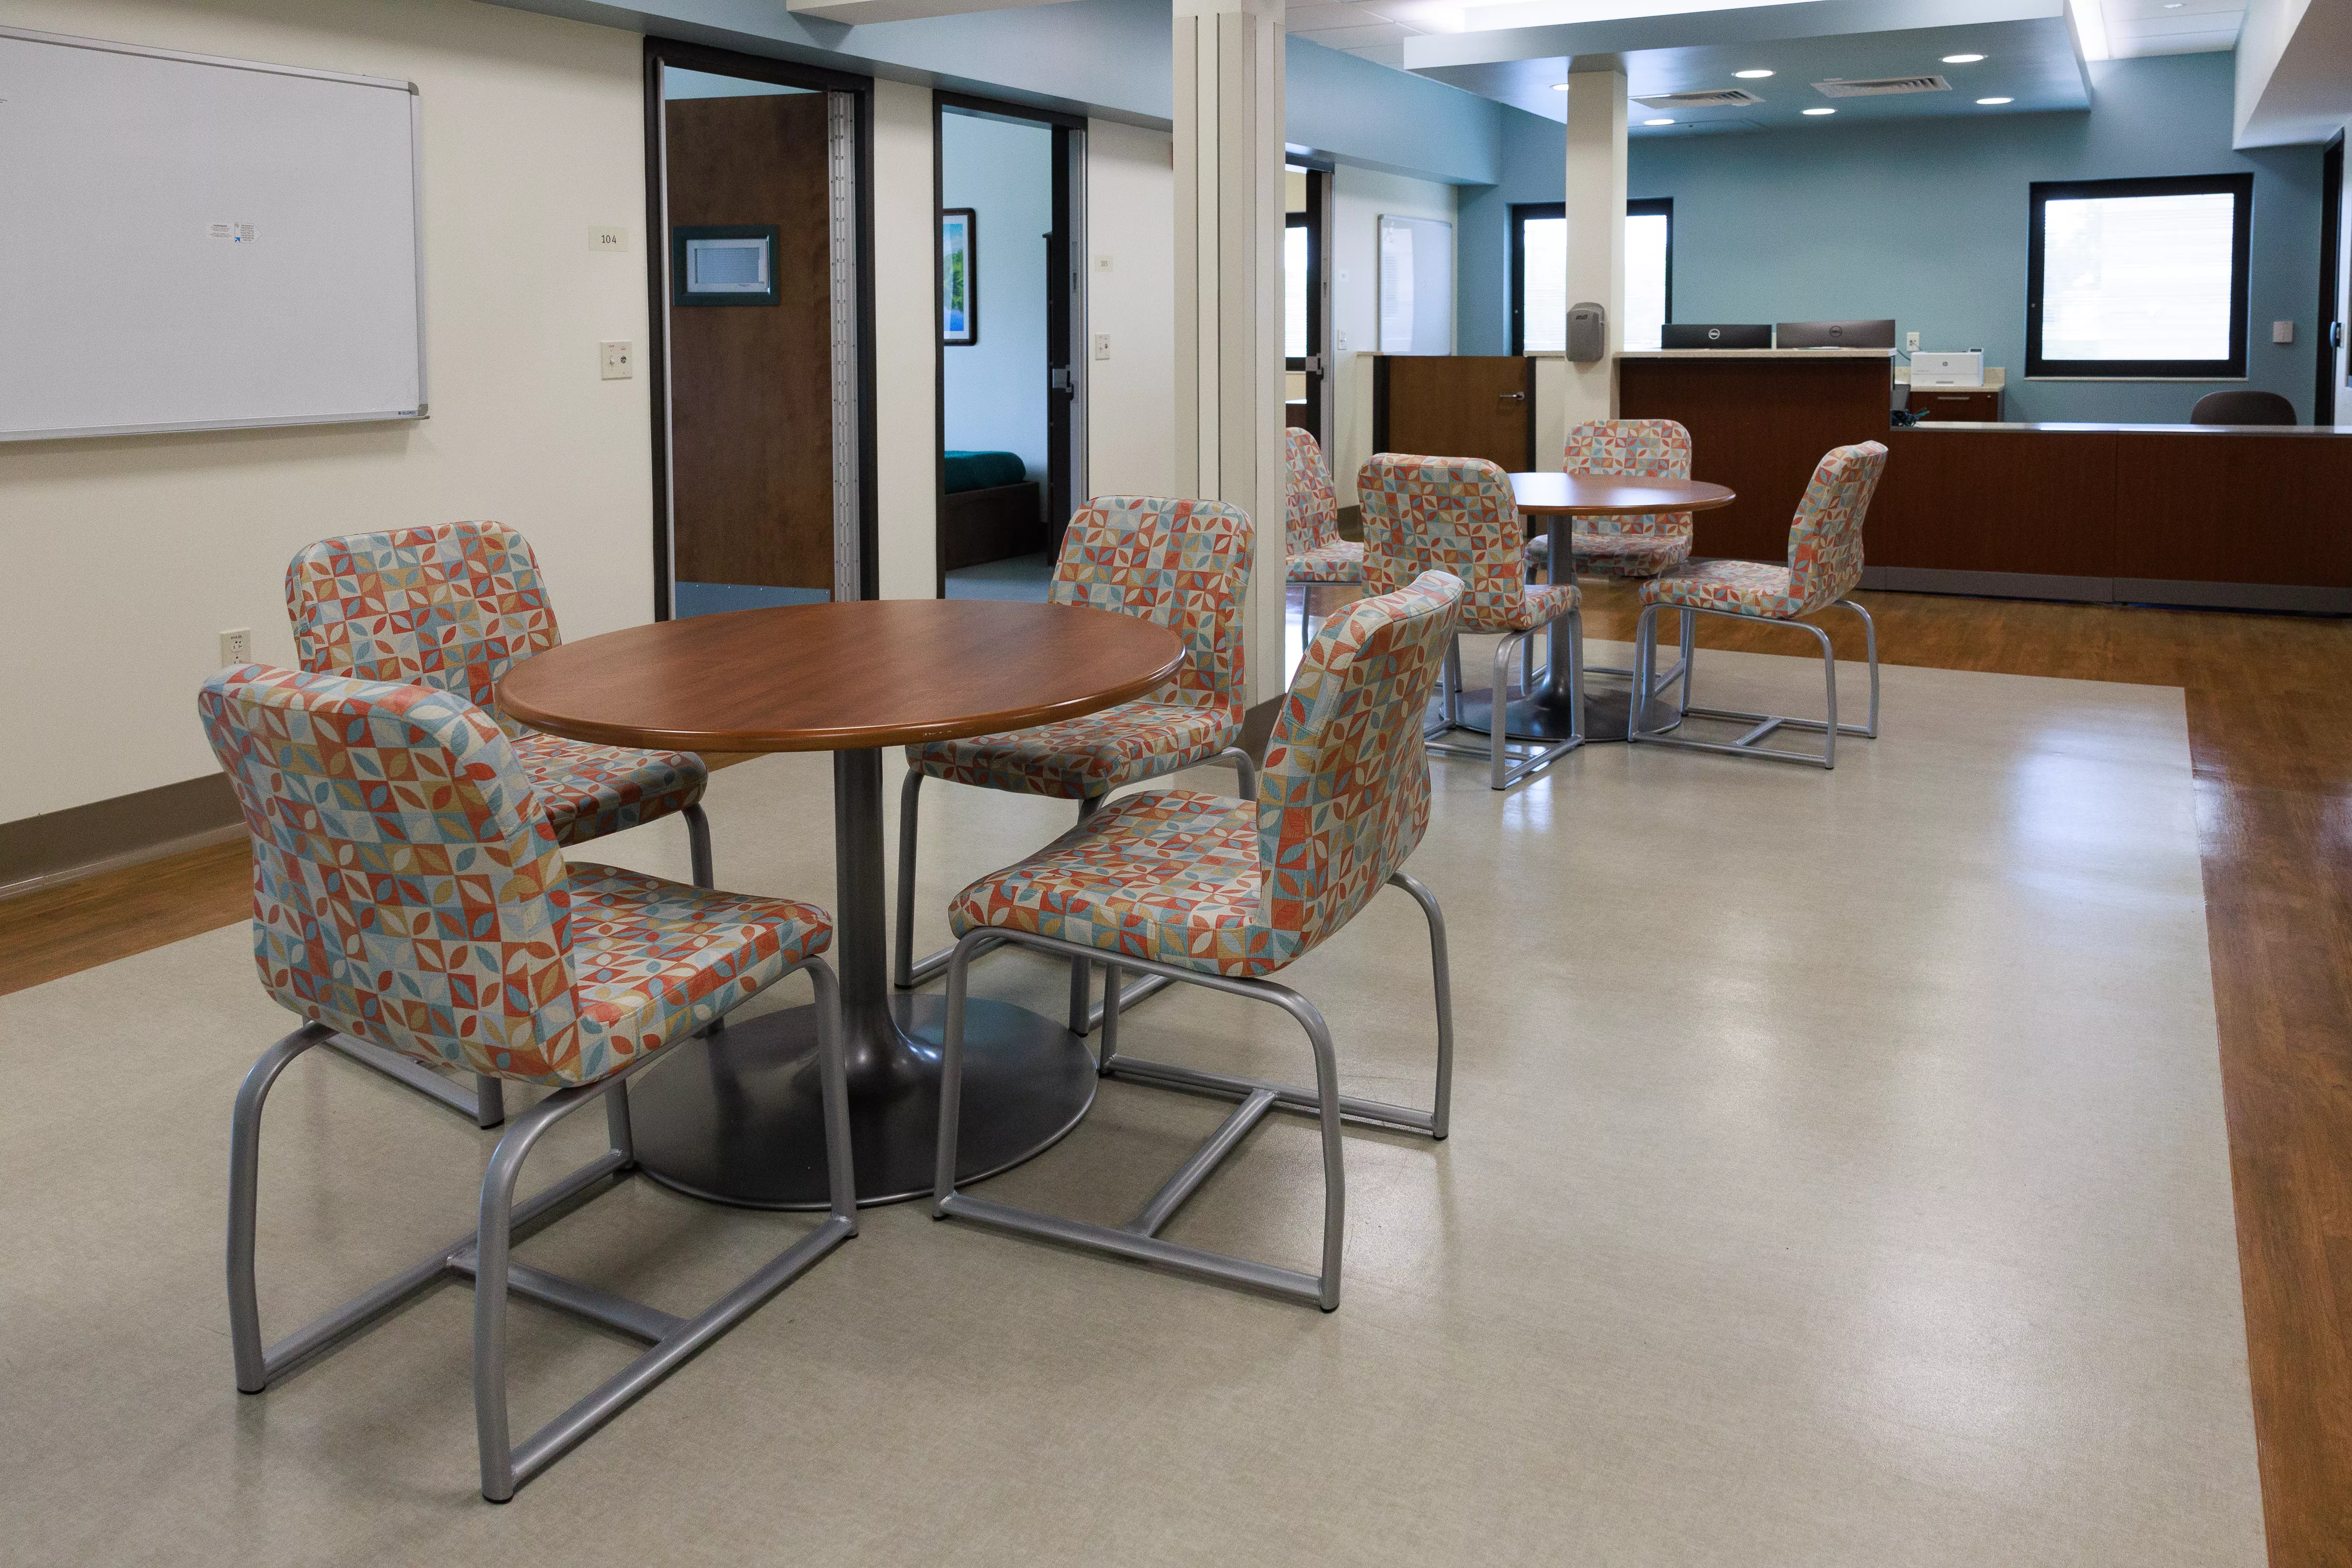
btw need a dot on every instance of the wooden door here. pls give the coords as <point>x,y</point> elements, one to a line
<point>751,387</point>
<point>1456,405</point>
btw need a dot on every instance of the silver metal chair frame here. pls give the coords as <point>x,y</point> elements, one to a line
<point>1645,654</point>
<point>907,972</point>
<point>1510,760</point>
<point>1138,1240</point>
<point>484,1254</point>
<point>487,1102</point>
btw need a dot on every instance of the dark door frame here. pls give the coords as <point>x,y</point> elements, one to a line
<point>659,52</point>
<point>1064,297</point>
<point>1317,364</point>
<point>2331,279</point>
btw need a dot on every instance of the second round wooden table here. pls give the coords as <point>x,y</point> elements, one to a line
<point>737,1118</point>
<point>1542,714</point>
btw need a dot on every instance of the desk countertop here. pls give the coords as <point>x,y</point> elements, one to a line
<point>1950,426</point>
<point>1757,354</point>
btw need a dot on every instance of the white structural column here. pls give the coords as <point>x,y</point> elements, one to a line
<point>1229,224</point>
<point>1596,230</point>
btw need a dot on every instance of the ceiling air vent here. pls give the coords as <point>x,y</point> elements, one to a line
<point>1882,87</point>
<point>1723,98</point>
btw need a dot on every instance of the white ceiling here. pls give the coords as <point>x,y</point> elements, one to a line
<point>1376,29</point>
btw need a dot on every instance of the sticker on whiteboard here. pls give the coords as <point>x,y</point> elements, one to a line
<point>224,231</point>
<point>235,233</point>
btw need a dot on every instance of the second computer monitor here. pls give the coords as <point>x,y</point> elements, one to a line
<point>1835,335</point>
<point>1715,335</point>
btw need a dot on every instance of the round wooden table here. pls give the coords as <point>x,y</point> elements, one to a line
<point>737,1118</point>
<point>1542,712</point>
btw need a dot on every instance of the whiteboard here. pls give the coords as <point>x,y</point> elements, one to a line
<point>1416,286</point>
<point>197,244</point>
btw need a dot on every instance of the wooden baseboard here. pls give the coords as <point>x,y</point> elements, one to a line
<point>60,846</point>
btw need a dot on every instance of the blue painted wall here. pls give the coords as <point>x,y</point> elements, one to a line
<point>1926,221</point>
<point>996,387</point>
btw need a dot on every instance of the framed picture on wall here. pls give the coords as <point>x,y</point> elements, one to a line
<point>959,276</point>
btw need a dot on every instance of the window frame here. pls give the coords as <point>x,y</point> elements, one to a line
<point>1520,212</point>
<point>2239,186</point>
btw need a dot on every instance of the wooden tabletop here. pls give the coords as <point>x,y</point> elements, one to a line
<point>840,677</point>
<point>1553,494</point>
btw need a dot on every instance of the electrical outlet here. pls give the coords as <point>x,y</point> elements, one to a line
<point>237,647</point>
<point>616,360</point>
<point>608,236</point>
<point>1910,343</point>
<point>1102,345</point>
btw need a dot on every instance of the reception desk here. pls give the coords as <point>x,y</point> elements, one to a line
<point>2241,517</point>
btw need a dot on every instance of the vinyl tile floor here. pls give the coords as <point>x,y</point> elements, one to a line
<point>1838,1177</point>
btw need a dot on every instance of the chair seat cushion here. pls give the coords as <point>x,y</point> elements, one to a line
<point>653,961</point>
<point>1342,562</point>
<point>1086,756</point>
<point>588,791</point>
<point>1534,605</point>
<point>1739,587</point>
<point>1172,875</point>
<point>1617,554</point>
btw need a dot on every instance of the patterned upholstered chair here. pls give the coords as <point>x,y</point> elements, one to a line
<point>1183,563</point>
<point>1226,893</point>
<point>453,606</point>
<point>1456,515</point>
<point>1312,548</point>
<point>408,889</point>
<point>1825,566</point>
<point>1640,546</point>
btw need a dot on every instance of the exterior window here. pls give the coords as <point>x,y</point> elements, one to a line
<point>2139,279</point>
<point>1293,288</point>
<point>1539,299</point>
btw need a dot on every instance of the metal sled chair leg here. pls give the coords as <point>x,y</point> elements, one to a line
<point>1750,744</point>
<point>908,971</point>
<point>1509,761</point>
<point>483,1258</point>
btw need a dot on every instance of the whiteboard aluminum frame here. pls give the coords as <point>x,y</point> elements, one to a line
<point>416,228</point>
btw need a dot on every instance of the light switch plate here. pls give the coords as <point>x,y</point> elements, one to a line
<point>608,236</point>
<point>1102,345</point>
<point>1102,263</point>
<point>616,360</point>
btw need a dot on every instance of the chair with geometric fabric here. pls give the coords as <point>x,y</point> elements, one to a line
<point>409,890</point>
<point>454,606</point>
<point>1225,893</point>
<point>1312,549</point>
<point>1638,547</point>
<point>1457,515</point>
<point>1825,566</point>
<point>1182,564</point>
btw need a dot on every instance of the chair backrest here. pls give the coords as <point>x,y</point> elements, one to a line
<point>1311,517</point>
<point>1825,540</point>
<point>450,607</point>
<point>1183,563</point>
<point>1344,795</point>
<point>2244,406</point>
<point>1638,449</point>
<point>406,887</point>
<point>1454,515</point>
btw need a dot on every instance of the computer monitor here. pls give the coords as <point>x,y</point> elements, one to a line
<point>1715,335</point>
<point>1835,335</point>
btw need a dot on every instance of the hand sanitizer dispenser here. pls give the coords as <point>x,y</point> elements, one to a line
<point>1587,331</point>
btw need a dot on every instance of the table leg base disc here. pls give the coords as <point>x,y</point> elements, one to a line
<point>737,1118</point>
<point>1543,717</point>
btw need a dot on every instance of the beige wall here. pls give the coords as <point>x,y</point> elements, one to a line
<point>1131,397</point>
<point>1359,198</point>
<point>906,344</point>
<point>126,557</point>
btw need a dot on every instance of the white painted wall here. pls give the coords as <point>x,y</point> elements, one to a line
<point>906,344</point>
<point>1131,395</point>
<point>127,557</point>
<point>1359,198</point>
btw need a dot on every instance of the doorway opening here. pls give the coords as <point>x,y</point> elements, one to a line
<point>1012,389</point>
<point>1307,301</point>
<point>757,224</point>
<point>2331,280</point>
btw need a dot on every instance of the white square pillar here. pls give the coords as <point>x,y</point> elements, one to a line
<point>1229,232</point>
<point>1596,233</point>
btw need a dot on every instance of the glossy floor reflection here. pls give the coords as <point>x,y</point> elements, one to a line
<point>1838,1176</point>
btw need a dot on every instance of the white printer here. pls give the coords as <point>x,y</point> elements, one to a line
<point>1948,369</point>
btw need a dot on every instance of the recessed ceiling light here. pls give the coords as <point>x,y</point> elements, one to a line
<point>1560,87</point>
<point>1820,112</point>
<point>1996,100</point>
<point>1962,60</point>
<point>1657,123</point>
<point>1751,76</point>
